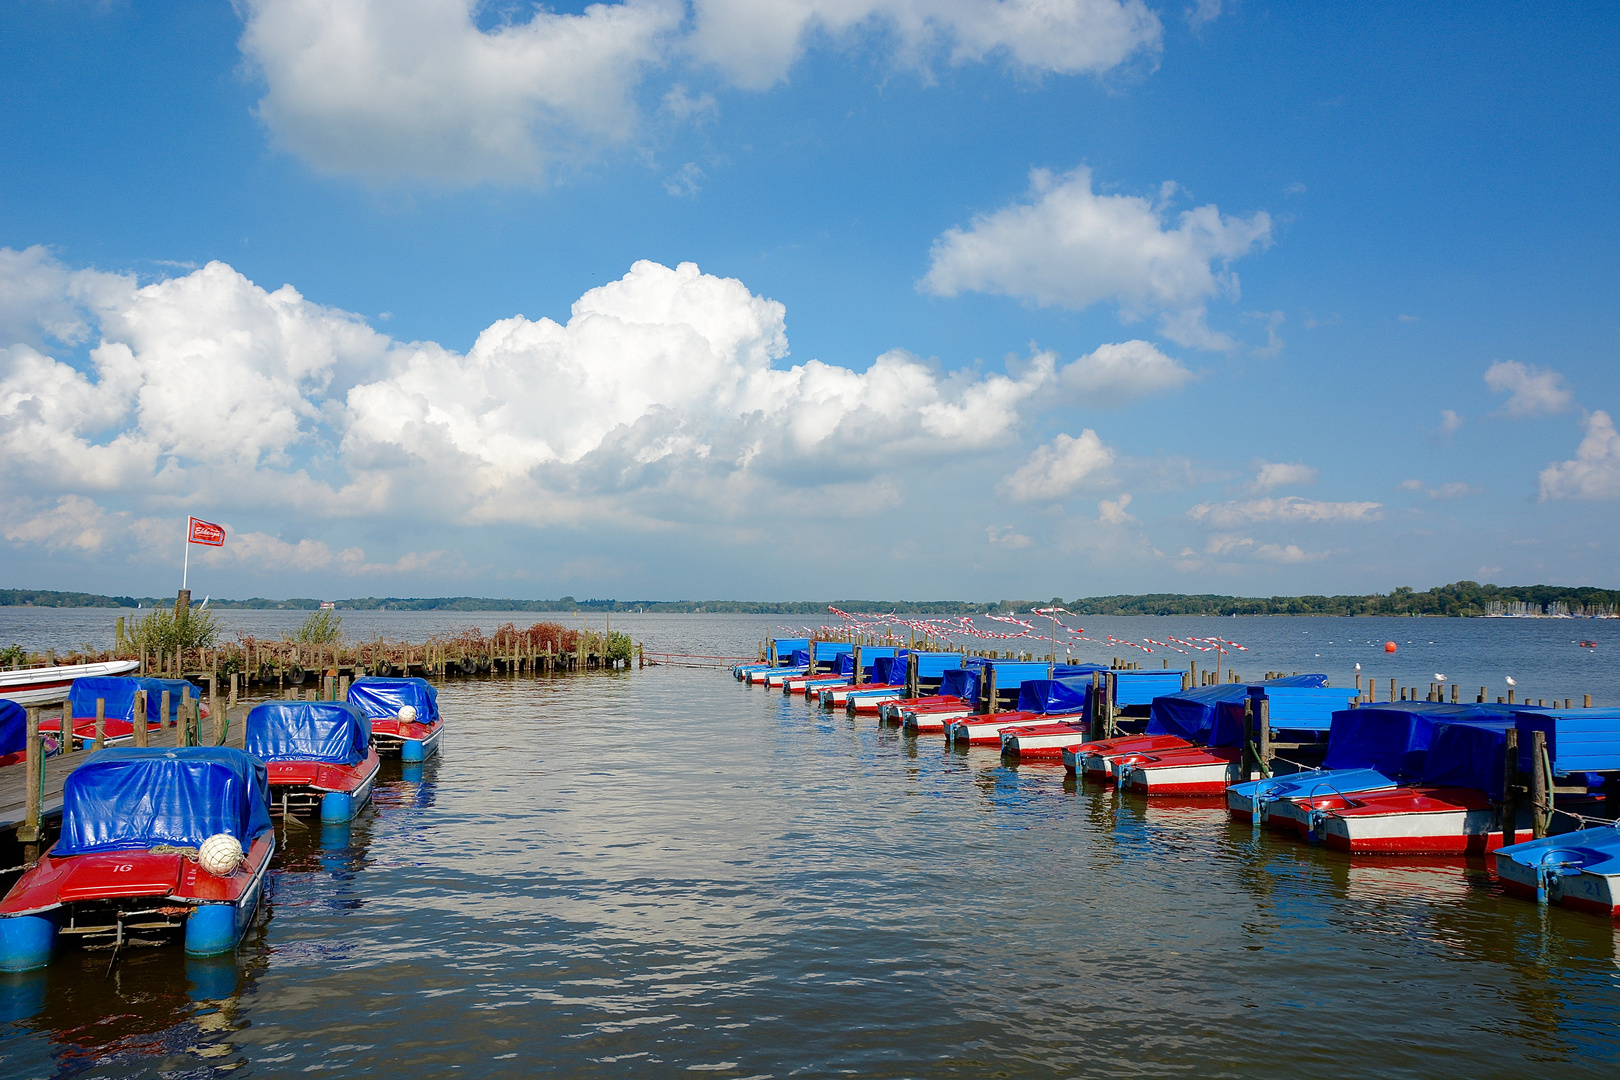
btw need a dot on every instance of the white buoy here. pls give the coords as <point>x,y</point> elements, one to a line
<point>407,713</point>
<point>220,855</point>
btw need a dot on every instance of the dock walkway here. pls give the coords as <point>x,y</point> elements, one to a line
<point>14,778</point>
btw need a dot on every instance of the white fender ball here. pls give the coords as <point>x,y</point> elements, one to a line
<point>220,855</point>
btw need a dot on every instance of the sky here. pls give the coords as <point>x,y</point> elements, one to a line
<point>789,299</point>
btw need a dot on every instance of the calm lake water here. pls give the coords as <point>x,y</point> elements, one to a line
<point>661,871</point>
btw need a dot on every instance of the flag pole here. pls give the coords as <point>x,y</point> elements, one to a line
<point>185,563</point>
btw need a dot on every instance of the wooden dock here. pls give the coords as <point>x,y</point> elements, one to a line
<point>14,778</point>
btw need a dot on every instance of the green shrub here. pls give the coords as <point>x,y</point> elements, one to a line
<point>163,631</point>
<point>324,627</point>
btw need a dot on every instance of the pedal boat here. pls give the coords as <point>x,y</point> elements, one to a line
<point>984,729</point>
<point>156,844</point>
<point>117,695</point>
<point>318,756</point>
<point>871,697</point>
<point>893,712</point>
<point>1095,760</point>
<point>1579,870</point>
<point>933,719</point>
<point>1048,740</point>
<point>1286,803</point>
<point>404,715</point>
<point>1195,770</point>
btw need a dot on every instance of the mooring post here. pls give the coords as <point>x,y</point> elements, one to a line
<point>101,723</point>
<point>1540,796</point>
<point>1110,692</point>
<point>1510,786</point>
<point>140,717</point>
<point>1262,729</point>
<point>857,656</point>
<point>28,831</point>
<point>912,674</point>
<point>1095,702</point>
<point>1454,693</point>
<point>989,689</point>
<point>1251,758</point>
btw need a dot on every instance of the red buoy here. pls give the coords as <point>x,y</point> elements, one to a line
<point>1389,646</point>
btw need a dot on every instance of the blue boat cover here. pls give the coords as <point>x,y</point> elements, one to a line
<point>1070,671</point>
<point>1468,755</point>
<point>131,799</point>
<point>963,682</point>
<point>1141,687</point>
<point>1392,737</point>
<point>13,727</point>
<point>870,655</point>
<point>883,669</point>
<point>336,732</point>
<point>381,699</point>
<point>1055,695</point>
<point>1578,740</point>
<point>934,665</point>
<point>1213,715</point>
<point>801,657</point>
<point>1011,673</point>
<point>118,694</point>
<point>786,647</point>
<point>1313,782</point>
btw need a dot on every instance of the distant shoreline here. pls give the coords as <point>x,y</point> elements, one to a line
<point>1461,599</point>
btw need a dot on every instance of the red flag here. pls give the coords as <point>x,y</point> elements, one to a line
<point>206,532</point>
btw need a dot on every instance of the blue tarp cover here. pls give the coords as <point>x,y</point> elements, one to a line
<point>934,665</point>
<point>131,799</point>
<point>801,657</point>
<point>1070,671</point>
<point>1141,687</point>
<point>332,731</point>
<point>1055,695</point>
<point>963,682</point>
<point>786,647</point>
<point>118,692</point>
<point>1578,740</point>
<point>1468,754</point>
<point>870,655</point>
<point>381,699</point>
<point>1392,737</point>
<point>13,727</point>
<point>1213,715</point>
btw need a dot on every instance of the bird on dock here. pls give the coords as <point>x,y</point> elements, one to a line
<point>1510,681</point>
<point>1439,677</point>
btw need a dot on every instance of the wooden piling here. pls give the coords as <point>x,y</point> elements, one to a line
<point>140,718</point>
<point>28,831</point>
<point>1510,786</point>
<point>164,704</point>
<point>1540,797</point>
<point>184,719</point>
<point>101,723</point>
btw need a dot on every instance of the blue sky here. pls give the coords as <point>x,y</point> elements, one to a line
<point>885,298</point>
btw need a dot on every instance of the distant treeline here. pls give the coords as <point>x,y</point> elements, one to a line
<point>1460,598</point>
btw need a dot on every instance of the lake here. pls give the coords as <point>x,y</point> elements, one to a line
<point>662,871</point>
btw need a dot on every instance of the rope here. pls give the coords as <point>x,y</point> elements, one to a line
<point>173,849</point>
<point>1585,820</point>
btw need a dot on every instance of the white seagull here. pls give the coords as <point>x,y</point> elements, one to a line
<point>1358,666</point>
<point>1510,681</point>
<point>1439,677</point>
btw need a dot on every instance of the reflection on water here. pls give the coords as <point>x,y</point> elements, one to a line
<point>664,871</point>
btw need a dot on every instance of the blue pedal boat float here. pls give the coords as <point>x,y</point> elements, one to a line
<point>1373,747</point>
<point>318,756</point>
<point>156,844</point>
<point>1579,870</point>
<point>404,715</point>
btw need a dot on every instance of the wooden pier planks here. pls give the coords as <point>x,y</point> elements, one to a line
<point>13,778</point>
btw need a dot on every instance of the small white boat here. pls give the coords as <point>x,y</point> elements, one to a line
<point>48,685</point>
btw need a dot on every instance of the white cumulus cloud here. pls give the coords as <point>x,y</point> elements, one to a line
<point>1061,466</point>
<point>1067,245</point>
<point>1270,475</point>
<point>1533,391</point>
<point>755,42</point>
<point>1116,373</point>
<point>460,91</point>
<point>1112,511</point>
<point>1595,471</point>
<point>664,397</point>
